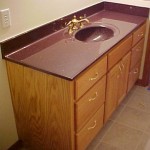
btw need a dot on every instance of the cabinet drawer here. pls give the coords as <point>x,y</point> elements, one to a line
<point>89,103</point>
<point>137,53</point>
<point>119,51</point>
<point>85,136</point>
<point>88,78</point>
<point>133,75</point>
<point>139,34</point>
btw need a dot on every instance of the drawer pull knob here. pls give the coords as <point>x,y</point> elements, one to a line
<point>94,78</point>
<point>120,68</point>
<point>93,125</point>
<point>141,34</point>
<point>136,71</point>
<point>92,99</point>
<point>122,65</point>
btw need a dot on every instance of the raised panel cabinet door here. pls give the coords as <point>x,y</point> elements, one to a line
<point>124,69</point>
<point>113,78</point>
<point>137,52</point>
<point>133,76</point>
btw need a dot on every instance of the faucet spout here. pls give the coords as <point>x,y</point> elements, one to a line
<point>76,24</point>
<point>82,22</point>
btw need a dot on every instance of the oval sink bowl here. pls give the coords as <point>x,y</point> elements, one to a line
<point>94,33</point>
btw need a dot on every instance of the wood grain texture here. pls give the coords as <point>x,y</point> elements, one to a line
<point>139,34</point>
<point>124,64</point>
<point>44,108</point>
<point>117,80</point>
<point>113,78</point>
<point>133,76</point>
<point>137,52</point>
<point>95,72</point>
<point>146,72</point>
<point>119,51</point>
<point>89,103</point>
<point>85,136</point>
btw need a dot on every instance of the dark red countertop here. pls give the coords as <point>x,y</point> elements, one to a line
<point>66,57</point>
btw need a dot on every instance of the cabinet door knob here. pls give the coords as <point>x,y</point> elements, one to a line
<point>122,65</point>
<point>120,68</point>
<point>136,71</point>
<point>93,98</point>
<point>94,78</point>
<point>89,128</point>
<point>141,34</point>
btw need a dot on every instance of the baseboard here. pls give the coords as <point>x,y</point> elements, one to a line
<point>16,146</point>
<point>141,82</point>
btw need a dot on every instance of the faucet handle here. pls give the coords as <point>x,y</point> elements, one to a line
<point>83,17</point>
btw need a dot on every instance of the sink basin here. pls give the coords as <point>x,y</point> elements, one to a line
<point>95,33</point>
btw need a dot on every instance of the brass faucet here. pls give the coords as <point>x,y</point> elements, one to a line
<point>76,24</point>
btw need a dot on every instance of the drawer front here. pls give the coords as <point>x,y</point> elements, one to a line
<point>119,51</point>
<point>137,52</point>
<point>133,76</point>
<point>88,78</point>
<point>139,34</point>
<point>86,135</point>
<point>90,103</point>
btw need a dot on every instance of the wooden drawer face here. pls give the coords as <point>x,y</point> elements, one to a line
<point>133,75</point>
<point>139,34</point>
<point>85,136</point>
<point>119,51</point>
<point>137,52</point>
<point>88,78</point>
<point>90,103</point>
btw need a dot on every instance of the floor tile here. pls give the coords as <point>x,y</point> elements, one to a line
<point>127,98</point>
<point>100,135</point>
<point>117,112</point>
<point>134,118</point>
<point>140,101</point>
<point>104,146</point>
<point>140,89</point>
<point>147,131</point>
<point>145,143</point>
<point>122,137</point>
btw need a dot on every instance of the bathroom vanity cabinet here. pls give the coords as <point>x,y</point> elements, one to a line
<point>53,113</point>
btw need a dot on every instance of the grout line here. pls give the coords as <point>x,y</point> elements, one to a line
<point>129,126</point>
<point>118,148</point>
<point>139,109</point>
<point>139,142</point>
<point>107,130</point>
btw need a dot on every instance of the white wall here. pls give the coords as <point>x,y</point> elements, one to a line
<point>27,15</point>
<point>142,3</point>
<point>8,134</point>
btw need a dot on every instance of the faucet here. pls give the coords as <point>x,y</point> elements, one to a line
<point>76,24</point>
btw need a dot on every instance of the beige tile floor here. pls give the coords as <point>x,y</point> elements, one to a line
<point>129,126</point>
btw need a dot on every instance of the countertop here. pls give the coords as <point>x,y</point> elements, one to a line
<point>66,57</point>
